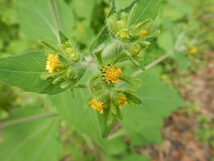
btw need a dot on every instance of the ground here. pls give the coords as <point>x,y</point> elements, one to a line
<point>182,130</point>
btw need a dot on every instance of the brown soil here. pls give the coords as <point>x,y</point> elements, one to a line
<point>180,142</point>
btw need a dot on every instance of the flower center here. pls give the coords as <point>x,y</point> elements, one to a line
<point>52,63</point>
<point>112,74</point>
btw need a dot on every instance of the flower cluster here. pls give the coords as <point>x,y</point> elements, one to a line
<point>128,40</point>
<point>109,84</point>
<point>63,64</point>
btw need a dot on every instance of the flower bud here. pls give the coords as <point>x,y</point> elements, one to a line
<point>74,56</point>
<point>134,49</point>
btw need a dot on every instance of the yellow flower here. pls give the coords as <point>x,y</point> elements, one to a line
<point>143,32</point>
<point>122,101</point>
<point>192,50</point>
<point>112,74</point>
<point>97,105</point>
<point>52,63</point>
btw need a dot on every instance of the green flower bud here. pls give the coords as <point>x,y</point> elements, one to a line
<point>123,34</point>
<point>66,84</point>
<point>111,23</point>
<point>74,56</point>
<point>124,16</point>
<point>68,50</point>
<point>57,80</point>
<point>134,49</point>
<point>120,24</point>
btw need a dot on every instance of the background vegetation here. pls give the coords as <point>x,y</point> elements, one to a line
<point>175,120</point>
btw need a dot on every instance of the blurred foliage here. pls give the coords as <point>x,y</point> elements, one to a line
<point>185,26</point>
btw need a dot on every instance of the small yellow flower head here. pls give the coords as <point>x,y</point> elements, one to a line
<point>143,32</point>
<point>122,101</point>
<point>97,105</point>
<point>192,50</point>
<point>52,63</point>
<point>112,74</point>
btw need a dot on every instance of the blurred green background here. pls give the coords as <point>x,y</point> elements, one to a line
<point>190,71</point>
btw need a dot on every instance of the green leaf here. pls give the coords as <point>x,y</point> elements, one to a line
<point>41,20</point>
<point>87,6</point>
<point>116,146</point>
<point>123,5</point>
<point>133,98</point>
<point>145,9</point>
<point>74,111</point>
<point>159,101</point>
<point>182,61</point>
<point>98,40</point>
<point>63,38</point>
<point>80,117</point>
<point>24,71</point>
<point>36,140</point>
<point>112,8</point>
<point>166,41</point>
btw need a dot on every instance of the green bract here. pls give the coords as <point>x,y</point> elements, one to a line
<point>98,75</point>
<point>64,63</point>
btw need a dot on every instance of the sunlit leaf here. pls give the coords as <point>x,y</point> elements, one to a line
<point>24,71</point>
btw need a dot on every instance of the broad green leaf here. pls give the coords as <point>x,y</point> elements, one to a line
<point>121,4</point>
<point>87,6</point>
<point>145,9</point>
<point>83,33</point>
<point>115,146</point>
<point>99,39</point>
<point>36,140</point>
<point>182,61</point>
<point>80,117</point>
<point>72,109</point>
<point>24,71</point>
<point>166,41</point>
<point>175,10</point>
<point>159,101</point>
<point>42,19</point>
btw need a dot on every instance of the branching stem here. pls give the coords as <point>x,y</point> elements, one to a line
<point>153,63</point>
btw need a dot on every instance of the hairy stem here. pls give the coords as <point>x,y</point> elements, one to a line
<point>153,63</point>
<point>179,39</point>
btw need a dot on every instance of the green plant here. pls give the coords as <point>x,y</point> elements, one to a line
<point>102,73</point>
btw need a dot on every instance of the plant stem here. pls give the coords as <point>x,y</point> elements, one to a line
<point>179,39</point>
<point>112,48</point>
<point>153,63</point>
<point>27,119</point>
